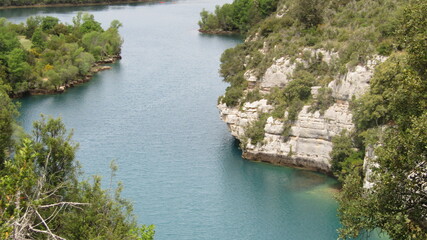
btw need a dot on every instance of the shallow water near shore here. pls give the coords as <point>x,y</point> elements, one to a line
<point>155,113</point>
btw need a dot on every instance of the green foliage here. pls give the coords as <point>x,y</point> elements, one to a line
<point>309,12</point>
<point>232,64</point>
<point>255,131</point>
<point>300,87</point>
<point>59,53</point>
<point>8,41</point>
<point>32,24</point>
<point>413,34</point>
<point>397,98</point>
<point>232,96</point>
<point>344,157</point>
<point>252,96</point>
<point>353,31</point>
<point>393,86</point>
<point>39,39</point>
<point>238,16</point>
<point>395,203</point>
<point>323,101</point>
<point>42,194</point>
<point>7,3</point>
<point>8,111</point>
<point>89,24</point>
<point>19,69</point>
<point>48,23</point>
<point>55,150</point>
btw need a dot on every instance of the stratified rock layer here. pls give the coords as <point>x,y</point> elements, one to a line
<point>309,143</point>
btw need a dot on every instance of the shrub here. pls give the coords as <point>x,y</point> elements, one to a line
<point>232,96</point>
<point>255,131</point>
<point>344,158</point>
<point>323,101</point>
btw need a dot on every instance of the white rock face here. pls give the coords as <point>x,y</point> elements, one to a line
<point>368,165</point>
<point>355,82</point>
<point>250,76</point>
<point>278,75</point>
<point>237,120</point>
<point>309,143</point>
<point>310,139</point>
<point>327,56</point>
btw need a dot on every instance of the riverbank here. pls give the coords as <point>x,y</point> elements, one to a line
<point>76,4</point>
<point>97,67</point>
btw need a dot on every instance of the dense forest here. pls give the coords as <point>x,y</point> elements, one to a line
<point>45,53</point>
<point>390,118</point>
<point>7,3</point>
<point>43,193</point>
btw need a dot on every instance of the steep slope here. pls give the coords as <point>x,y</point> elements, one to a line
<point>283,50</point>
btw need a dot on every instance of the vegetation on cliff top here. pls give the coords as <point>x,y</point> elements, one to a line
<point>45,53</point>
<point>391,115</point>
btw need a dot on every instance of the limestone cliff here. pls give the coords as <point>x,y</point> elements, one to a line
<point>309,141</point>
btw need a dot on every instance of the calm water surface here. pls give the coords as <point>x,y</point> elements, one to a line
<point>155,113</point>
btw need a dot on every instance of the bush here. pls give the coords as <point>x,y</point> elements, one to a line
<point>323,101</point>
<point>255,131</point>
<point>232,96</point>
<point>344,158</point>
<point>309,12</point>
<point>253,96</point>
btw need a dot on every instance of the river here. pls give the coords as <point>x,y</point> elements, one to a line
<point>155,114</point>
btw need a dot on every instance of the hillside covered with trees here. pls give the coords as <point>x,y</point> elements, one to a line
<point>7,3</point>
<point>45,53</point>
<point>390,117</point>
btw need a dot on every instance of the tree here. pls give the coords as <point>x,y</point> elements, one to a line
<point>309,12</point>
<point>345,159</point>
<point>7,114</point>
<point>89,24</point>
<point>39,39</point>
<point>32,24</point>
<point>42,196</point>
<point>413,34</point>
<point>397,202</point>
<point>8,41</point>
<point>48,23</point>
<point>18,68</point>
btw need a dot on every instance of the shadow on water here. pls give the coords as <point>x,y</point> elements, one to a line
<point>294,180</point>
<point>302,180</point>
<point>223,36</point>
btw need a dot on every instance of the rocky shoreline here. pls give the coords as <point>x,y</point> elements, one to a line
<point>97,67</point>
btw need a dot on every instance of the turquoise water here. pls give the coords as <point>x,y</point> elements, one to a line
<point>155,113</point>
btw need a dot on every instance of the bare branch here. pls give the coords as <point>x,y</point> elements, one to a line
<point>47,232</point>
<point>47,227</point>
<point>73,204</point>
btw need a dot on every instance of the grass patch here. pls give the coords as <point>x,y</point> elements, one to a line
<point>26,43</point>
